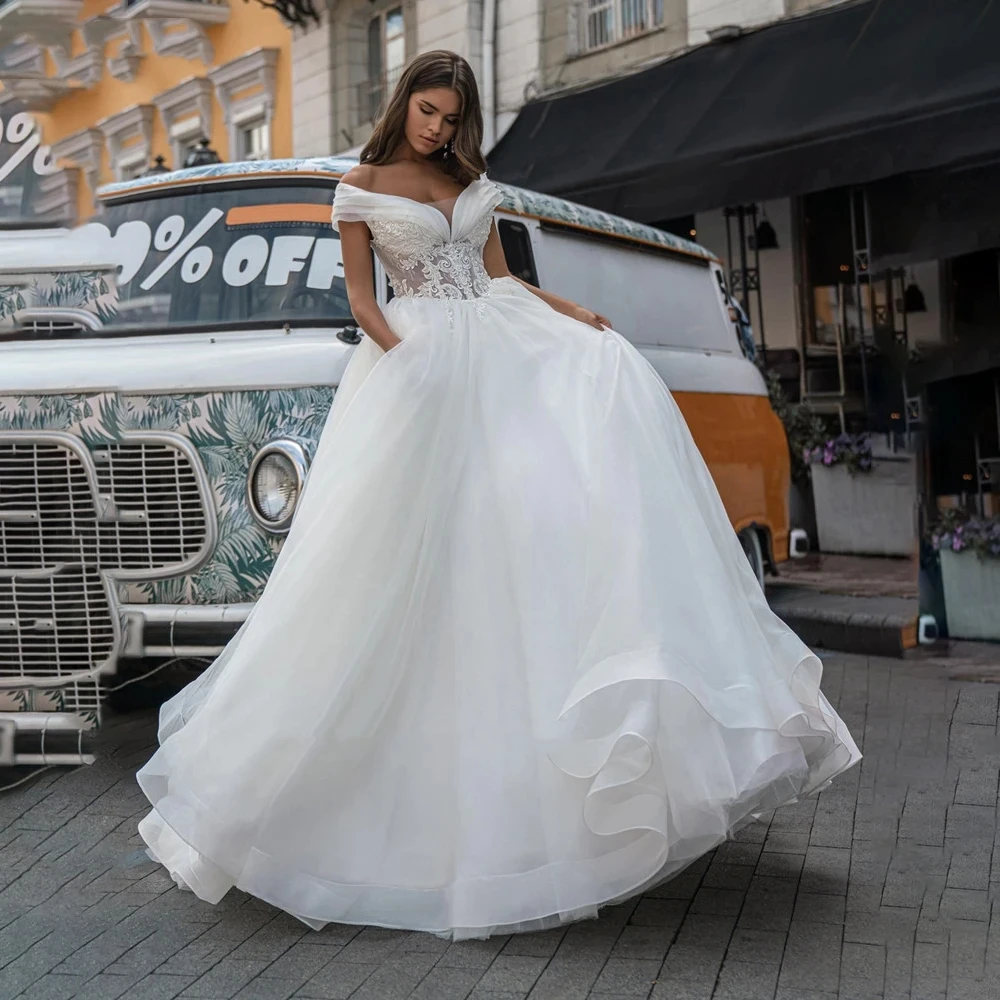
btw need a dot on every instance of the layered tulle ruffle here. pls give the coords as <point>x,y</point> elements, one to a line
<point>512,664</point>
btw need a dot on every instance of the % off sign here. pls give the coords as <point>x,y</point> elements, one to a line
<point>193,251</point>
<point>23,158</point>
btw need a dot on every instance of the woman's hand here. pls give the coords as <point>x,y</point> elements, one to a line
<point>591,318</point>
<point>496,267</point>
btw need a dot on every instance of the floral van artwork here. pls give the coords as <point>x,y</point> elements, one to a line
<point>226,429</point>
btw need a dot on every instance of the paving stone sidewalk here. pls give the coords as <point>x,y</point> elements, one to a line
<point>885,886</point>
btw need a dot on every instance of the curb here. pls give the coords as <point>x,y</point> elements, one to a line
<point>865,625</point>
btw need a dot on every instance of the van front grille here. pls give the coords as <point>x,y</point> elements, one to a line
<point>74,518</point>
<point>55,623</point>
<point>157,516</point>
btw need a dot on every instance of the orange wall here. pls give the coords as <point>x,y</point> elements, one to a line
<point>250,26</point>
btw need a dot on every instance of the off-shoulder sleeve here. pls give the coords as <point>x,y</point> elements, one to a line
<point>493,192</point>
<point>350,204</point>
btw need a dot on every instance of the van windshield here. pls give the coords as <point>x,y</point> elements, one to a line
<point>202,257</point>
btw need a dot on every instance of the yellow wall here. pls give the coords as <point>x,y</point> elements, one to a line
<point>250,26</point>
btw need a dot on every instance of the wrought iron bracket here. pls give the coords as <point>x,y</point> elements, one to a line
<point>295,12</point>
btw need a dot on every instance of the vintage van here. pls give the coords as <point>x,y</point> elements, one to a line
<point>165,372</point>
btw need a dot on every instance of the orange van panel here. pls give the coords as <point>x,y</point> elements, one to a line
<point>745,447</point>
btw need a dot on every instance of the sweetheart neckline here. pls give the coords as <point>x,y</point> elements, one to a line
<point>423,204</point>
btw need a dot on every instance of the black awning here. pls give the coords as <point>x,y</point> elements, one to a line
<point>845,96</point>
<point>935,214</point>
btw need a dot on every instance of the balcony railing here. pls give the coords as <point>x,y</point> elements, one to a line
<point>596,24</point>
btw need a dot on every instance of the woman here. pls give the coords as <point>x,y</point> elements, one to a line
<point>512,664</point>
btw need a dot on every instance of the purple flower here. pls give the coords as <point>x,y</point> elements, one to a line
<point>853,450</point>
<point>959,532</point>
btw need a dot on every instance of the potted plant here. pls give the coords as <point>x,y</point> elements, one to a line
<point>969,549</point>
<point>865,501</point>
<point>854,451</point>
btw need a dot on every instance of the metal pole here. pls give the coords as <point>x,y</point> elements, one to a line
<point>760,292</point>
<point>728,213</point>
<point>980,503</point>
<point>996,400</point>
<point>744,293</point>
<point>871,291</point>
<point>860,264</point>
<point>872,302</point>
<point>902,299</point>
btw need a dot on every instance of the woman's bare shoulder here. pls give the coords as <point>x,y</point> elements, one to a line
<point>362,176</point>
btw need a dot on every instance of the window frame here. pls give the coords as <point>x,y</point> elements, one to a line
<point>382,77</point>
<point>245,88</point>
<point>245,131</point>
<point>129,139</point>
<point>590,29</point>
<point>522,233</point>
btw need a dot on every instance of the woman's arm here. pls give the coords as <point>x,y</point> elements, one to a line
<point>359,275</point>
<point>496,267</point>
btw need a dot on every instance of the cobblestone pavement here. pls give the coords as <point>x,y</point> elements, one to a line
<point>885,886</point>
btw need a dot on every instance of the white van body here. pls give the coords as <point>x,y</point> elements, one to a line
<point>673,308</point>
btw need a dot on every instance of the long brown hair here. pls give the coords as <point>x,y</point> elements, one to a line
<point>465,160</point>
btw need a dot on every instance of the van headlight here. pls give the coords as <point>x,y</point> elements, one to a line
<point>275,484</point>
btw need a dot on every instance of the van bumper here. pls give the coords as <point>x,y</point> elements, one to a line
<point>44,738</point>
<point>168,630</point>
<point>30,738</point>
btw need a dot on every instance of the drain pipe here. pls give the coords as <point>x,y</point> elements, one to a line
<point>489,74</point>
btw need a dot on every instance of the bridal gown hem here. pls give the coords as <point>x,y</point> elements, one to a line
<point>512,664</point>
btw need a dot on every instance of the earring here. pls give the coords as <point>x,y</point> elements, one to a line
<point>447,147</point>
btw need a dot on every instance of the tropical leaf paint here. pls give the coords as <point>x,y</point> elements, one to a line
<point>226,429</point>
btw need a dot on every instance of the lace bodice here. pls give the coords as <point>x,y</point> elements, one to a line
<point>425,254</point>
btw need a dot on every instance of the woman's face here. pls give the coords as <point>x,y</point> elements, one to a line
<point>432,119</point>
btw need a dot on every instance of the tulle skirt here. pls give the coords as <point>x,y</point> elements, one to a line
<point>512,663</point>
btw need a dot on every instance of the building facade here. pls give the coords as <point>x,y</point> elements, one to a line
<point>109,87</point>
<point>346,64</point>
<point>519,49</point>
<point>589,40</point>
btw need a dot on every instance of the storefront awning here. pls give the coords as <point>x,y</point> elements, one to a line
<point>935,214</point>
<point>849,95</point>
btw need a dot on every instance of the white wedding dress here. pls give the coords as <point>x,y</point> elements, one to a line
<point>512,663</point>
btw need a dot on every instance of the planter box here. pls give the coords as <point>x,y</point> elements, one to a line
<point>971,595</point>
<point>869,513</point>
